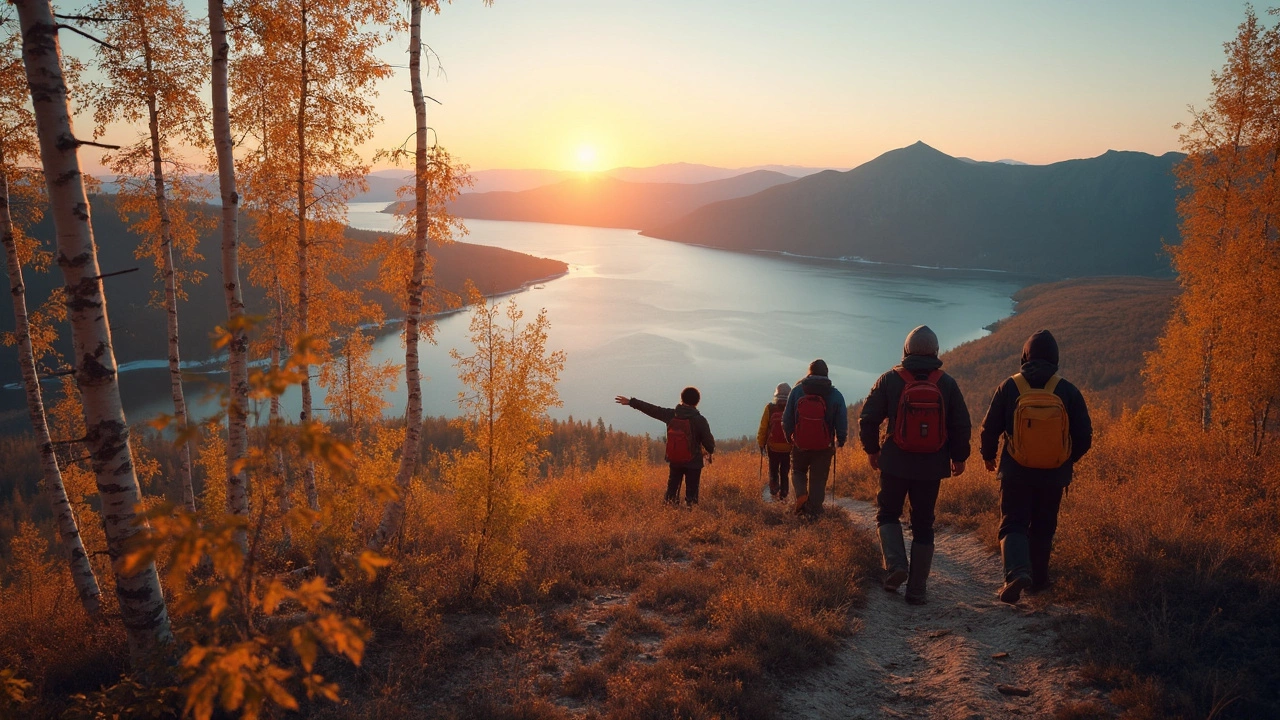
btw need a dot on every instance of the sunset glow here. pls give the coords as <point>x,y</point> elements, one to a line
<point>587,160</point>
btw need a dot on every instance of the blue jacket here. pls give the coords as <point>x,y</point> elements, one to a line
<point>837,415</point>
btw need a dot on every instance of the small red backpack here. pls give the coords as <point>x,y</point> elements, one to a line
<point>811,431</point>
<point>777,435</point>
<point>921,425</point>
<point>679,440</point>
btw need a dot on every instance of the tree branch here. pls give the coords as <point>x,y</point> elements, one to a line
<point>78,31</point>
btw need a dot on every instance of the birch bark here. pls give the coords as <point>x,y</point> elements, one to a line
<point>393,514</point>
<point>142,604</point>
<point>86,583</point>
<point>238,347</point>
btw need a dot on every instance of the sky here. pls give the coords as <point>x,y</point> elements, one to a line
<point>594,84</point>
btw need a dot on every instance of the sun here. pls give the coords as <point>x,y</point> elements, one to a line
<point>586,158</point>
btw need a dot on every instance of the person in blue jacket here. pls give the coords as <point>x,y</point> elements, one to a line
<point>816,423</point>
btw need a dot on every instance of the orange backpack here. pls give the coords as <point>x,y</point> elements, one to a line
<point>1041,436</point>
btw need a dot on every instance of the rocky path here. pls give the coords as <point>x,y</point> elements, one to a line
<point>964,655</point>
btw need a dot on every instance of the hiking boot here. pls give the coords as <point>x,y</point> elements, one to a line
<point>921,561</point>
<point>800,504</point>
<point>1039,586</point>
<point>1016,552</point>
<point>894,550</point>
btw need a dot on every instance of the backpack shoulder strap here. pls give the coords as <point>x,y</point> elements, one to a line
<point>935,376</point>
<point>1053,383</point>
<point>905,374</point>
<point>1021,382</point>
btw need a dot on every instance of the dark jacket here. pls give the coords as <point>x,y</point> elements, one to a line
<point>837,414</point>
<point>999,423</point>
<point>882,404</point>
<point>701,429</point>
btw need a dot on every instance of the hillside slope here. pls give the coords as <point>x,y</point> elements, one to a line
<point>138,328</point>
<point>918,206</point>
<point>608,202</point>
<point>1104,326</point>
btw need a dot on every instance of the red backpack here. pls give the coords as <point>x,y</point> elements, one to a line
<point>811,432</point>
<point>777,435</point>
<point>679,440</point>
<point>921,425</point>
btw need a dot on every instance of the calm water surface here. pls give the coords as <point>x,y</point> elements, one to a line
<point>645,317</point>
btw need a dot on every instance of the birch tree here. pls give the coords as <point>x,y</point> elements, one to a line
<point>1217,367</point>
<point>142,604</point>
<point>154,69</point>
<point>236,339</point>
<point>18,142</point>
<point>317,59</point>
<point>436,182</point>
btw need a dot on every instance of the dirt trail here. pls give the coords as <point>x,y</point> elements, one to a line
<point>938,661</point>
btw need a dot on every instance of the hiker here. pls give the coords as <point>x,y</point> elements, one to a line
<point>688,434</point>
<point>772,439</point>
<point>815,423</point>
<point>927,440</point>
<point>1046,429</point>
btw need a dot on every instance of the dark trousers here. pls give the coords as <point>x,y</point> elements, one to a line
<point>1030,508</point>
<point>893,493</point>
<point>779,473</point>
<point>809,471</point>
<point>690,476</point>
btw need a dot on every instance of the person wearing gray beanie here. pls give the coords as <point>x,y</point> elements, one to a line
<point>928,439</point>
<point>772,439</point>
<point>921,341</point>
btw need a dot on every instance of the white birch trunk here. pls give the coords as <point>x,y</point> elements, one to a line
<point>238,348</point>
<point>393,514</point>
<point>86,583</point>
<point>186,453</point>
<point>142,604</point>
<point>304,289</point>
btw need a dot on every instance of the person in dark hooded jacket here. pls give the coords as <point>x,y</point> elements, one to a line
<point>690,472</point>
<point>912,474</point>
<point>811,467</point>
<point>1030,497</point>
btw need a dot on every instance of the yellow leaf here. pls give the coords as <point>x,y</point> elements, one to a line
<point>370,561</point>
<point>304,643</point>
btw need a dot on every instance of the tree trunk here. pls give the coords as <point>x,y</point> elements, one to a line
<point>142,604</point>
<point>186,453</point>
<point>64,516</point>
<point>393,514</point>
<point>238,348</point>
<point>304,290</point>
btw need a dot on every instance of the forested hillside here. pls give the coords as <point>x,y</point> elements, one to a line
<point>918,206</point>
<point>1104,327</point>
<point>137,323</point>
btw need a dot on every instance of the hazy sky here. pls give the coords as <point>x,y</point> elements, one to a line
<point>808,82</point>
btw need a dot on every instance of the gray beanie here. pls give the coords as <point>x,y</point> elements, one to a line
<point>921,341</point>
<point>782,392</point>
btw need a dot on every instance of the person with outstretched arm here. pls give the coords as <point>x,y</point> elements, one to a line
<point>816,422</point>
<point>688,435</point>
<point>1046,429</point>
<point>927,440</point>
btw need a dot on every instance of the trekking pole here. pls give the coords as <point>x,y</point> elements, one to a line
<point>760,475</point>
<point>835,473</point>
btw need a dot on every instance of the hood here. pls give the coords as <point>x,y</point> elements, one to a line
<point>686,411</point>
<point>1040,346</point>
<point>921,363</point>
<point>816,385</point>
<point>1038,372</point>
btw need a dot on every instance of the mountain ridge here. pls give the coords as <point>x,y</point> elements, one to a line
<point>917,205</point>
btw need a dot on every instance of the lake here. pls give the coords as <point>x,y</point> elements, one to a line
<point>644,318</point>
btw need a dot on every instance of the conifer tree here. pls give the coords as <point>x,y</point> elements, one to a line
<point>142,604</point>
